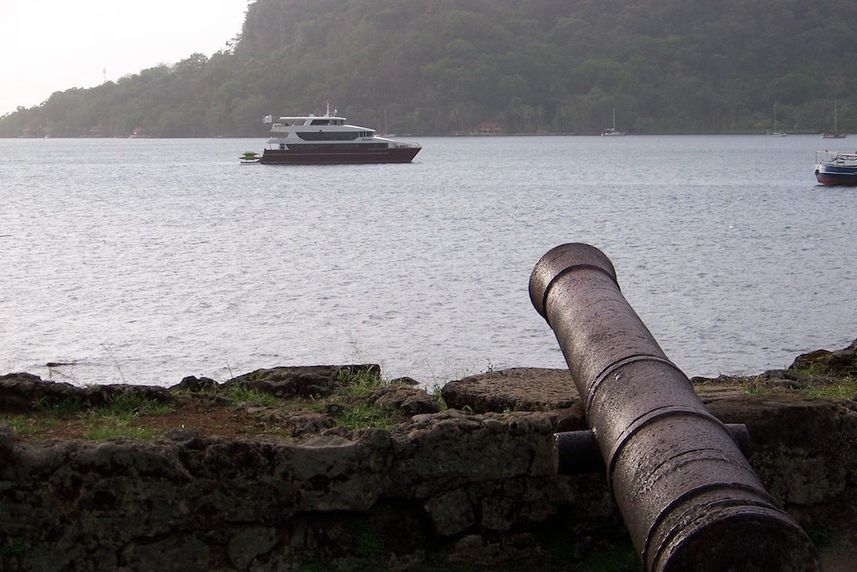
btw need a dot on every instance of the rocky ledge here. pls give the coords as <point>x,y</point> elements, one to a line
<point>331,468</point>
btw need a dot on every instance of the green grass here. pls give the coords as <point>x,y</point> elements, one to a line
<point>63,408</point>
<point>364,416</point>
<point>824,383</point>
<point>242,396</point>
<point>133,404</point>
<point>113,419</point>
<point>845,388</point>
<point>817,381</point>
<point>117,404</point>
<point>754,385</point>
<point>116,418</point>
<point>437,393</point>
<point>357,384</point>
<point>813,370</point>
<point>23,425</point>
<point>352,388</point>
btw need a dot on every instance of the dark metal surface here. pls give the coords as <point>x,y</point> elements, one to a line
<point>577,451</point>
<point>687,494</point>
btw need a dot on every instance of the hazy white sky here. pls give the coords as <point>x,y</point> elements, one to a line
<point>54,45</point>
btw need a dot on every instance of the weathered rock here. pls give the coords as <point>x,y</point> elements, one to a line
<point>407,399</point>
<point>251,543</point>
<point>21,390</point>
<point>404,381</point>
<point>192,383</point>
<point>24,391</point>
<point>451,512</point>
<point>174,553</point>
<point>799,446</point>
<point>810,358</point>
<point>307,422</point>
<point>478,550</point>
<point>517,389</point>
<point>787,384</point>
<point>839,362</point>
<point>7,443</point>
<point>183,435</point>
<point>843,361</point>
<point>302,381</point>
<point>448,450</point>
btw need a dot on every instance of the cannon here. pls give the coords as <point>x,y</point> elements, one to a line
<point>687,494</point>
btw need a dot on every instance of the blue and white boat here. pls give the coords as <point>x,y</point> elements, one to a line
<point>835,168</point>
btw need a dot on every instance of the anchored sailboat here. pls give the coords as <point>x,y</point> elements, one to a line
<point>611,131</point>
<point>774,132</point>
<point>835,134</point>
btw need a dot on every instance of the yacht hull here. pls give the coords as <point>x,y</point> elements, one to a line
<point>833,176</point>
<point>369,156</point>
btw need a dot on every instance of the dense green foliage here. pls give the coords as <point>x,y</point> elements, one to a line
<point>446,66</point>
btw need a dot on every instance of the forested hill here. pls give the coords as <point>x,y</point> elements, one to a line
<point>525,66</point>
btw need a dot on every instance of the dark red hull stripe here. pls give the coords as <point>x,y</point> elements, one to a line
<point>837,179</point>
<point>286,157</point>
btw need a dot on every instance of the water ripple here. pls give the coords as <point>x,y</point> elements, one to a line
<point>147,260</point>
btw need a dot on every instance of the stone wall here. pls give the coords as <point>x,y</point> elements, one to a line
<point>466,489</point>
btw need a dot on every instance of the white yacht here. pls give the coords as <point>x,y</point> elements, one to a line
<point>328,139</point>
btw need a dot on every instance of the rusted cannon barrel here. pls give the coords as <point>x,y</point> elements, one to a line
<point>690,499</point>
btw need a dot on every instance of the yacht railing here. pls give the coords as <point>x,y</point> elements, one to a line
<point>836,157</point>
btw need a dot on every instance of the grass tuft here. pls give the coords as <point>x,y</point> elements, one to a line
<point>134,404</point>
<point>437,393</point>
<point>754,385</point>
<point>840,389</point>
<point>25,426</point>
<point>62,408</point>
<point>115,418</point>
<point>813,370</point>
<point>243,396</point>
<point>357,384</point>
<point>117,427</point>
<point>364,416</point>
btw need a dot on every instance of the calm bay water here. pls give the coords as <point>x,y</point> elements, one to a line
<point>148,260</point>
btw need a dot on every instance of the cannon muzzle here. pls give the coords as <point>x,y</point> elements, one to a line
<point>689,497</point>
